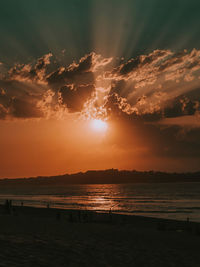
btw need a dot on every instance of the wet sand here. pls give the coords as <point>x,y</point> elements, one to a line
<point>50,237</point>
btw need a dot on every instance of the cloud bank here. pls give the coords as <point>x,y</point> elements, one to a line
<point>160,85</point>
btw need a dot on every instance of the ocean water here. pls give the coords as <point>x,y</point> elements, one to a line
<point>164,200</point>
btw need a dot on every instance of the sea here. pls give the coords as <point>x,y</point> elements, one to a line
<point>178,201</point>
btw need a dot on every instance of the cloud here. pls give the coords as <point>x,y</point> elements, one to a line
<point>162,84</point>
<point>157,83</point>
<point>183,121</point>
<point>30,73</point>
<point>3,111</point>
<point>75,97</point>
<point>24,108</point>
<point>78,74</point>
<point>20,98</point>
<point>76,83</point>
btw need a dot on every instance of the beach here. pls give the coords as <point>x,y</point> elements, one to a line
<point>51,237</point>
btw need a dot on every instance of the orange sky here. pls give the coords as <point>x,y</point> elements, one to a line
<point>48,147</point>
<point>51,147</point>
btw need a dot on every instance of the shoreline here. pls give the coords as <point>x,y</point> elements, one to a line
<point>90,216</point>
<point>156,214</point>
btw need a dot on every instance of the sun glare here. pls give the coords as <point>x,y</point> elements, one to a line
<point>99,125</point>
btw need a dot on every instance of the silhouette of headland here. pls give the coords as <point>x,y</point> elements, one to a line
<point>110,176</point>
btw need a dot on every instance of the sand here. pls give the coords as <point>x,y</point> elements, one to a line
<point>50,237</point>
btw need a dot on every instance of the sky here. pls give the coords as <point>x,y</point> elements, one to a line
<point>99,84</point>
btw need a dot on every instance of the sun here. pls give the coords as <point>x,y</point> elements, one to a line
<point>99,125</point>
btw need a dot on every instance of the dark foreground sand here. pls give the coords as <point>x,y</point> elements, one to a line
<point>48,237</point>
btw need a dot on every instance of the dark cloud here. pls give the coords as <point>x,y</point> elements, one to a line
<point>141,61</point>
<point>174,142</point>
<point>180,106</point>
<point>130,66</point>
<point>76,74</point>
<point>21,108</point>
<point>74,98</point>
<point>160,141</point>
<point>31,73</point>
<point>21,98</point>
